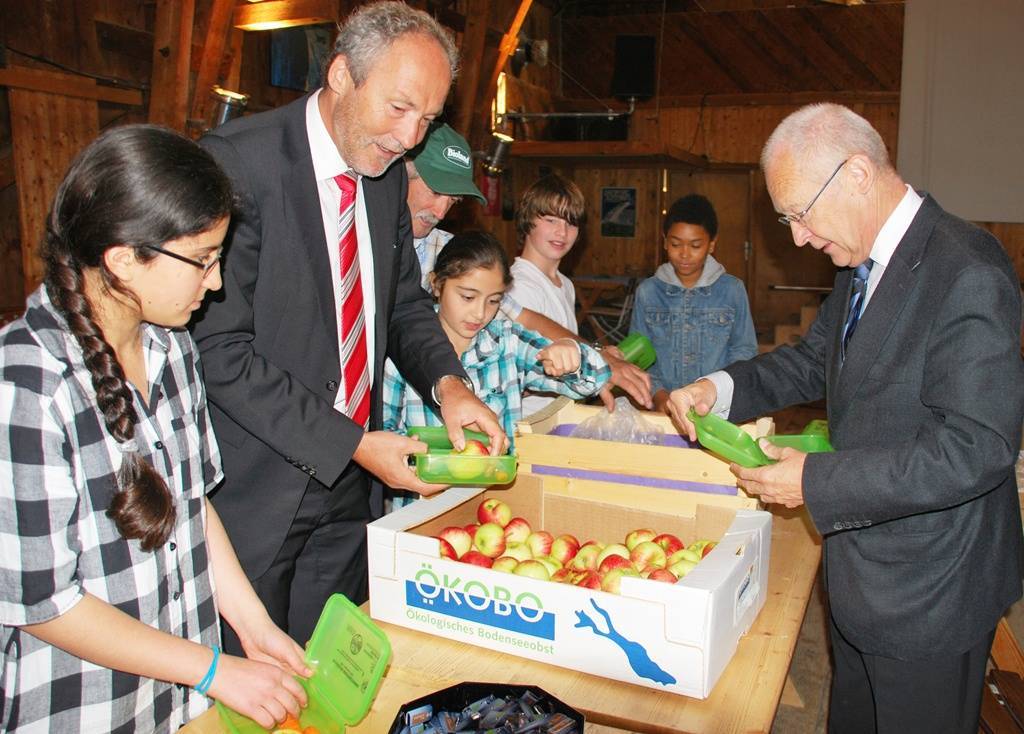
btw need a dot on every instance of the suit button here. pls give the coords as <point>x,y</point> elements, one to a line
<point>332,385</point>
<point>312,472</point>
<point>837,525</point>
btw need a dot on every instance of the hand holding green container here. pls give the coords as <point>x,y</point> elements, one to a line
<point>348,653</point>
<point>736,445</point>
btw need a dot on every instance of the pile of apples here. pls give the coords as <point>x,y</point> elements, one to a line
<point>508,544</point>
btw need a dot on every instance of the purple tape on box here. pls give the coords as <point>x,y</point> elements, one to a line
<point>659,483</point>
<point>603,476</point>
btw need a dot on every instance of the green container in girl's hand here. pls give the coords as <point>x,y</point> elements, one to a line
<point>638,350</point>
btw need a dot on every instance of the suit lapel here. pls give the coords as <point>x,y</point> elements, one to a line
<point>301,204</point>
<point>883,310</point>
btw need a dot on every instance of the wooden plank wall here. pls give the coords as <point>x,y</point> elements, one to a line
<point>48,130</point>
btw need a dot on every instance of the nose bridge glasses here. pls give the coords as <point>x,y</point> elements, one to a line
<point>789,219</point>
<point>205,267</point>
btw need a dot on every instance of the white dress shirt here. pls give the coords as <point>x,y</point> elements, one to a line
<point>328,163</point>
<point>886,241</point>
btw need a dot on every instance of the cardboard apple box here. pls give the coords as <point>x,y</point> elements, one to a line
<point>672,637</point>
<point>643,473</point>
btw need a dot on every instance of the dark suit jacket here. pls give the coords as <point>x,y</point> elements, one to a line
<point>918,504</point>
<point>269,340</point>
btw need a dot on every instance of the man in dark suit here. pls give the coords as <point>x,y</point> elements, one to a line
<point>919,360</point>
<point>286,361</point>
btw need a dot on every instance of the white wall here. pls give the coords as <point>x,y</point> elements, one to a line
<point>961,132</point>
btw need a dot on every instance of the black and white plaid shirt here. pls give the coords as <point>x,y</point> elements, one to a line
<point>57,469</point>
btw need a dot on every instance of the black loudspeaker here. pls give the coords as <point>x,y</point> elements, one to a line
<point>635,66</point>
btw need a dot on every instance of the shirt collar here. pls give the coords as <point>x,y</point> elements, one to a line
<point>327,161</point>
<point>891,233</point>
<point>55,335</point>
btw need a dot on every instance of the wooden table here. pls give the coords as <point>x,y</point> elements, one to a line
<point>744,699</point>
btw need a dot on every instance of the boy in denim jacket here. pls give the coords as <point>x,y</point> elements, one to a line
<point>696,315</point>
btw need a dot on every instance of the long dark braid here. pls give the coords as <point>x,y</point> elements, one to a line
<point>136,185</point>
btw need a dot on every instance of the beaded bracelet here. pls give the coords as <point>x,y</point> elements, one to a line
<point>204,685</point>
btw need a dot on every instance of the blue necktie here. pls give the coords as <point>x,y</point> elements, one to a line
<point>857,293</point>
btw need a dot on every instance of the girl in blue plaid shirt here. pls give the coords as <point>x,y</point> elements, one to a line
<point>113,564</point>
<point>501,357</point>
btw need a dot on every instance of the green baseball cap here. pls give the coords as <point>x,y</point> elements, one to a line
<point>445,163</point>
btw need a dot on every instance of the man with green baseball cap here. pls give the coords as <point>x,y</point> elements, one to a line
<point>440,173</point>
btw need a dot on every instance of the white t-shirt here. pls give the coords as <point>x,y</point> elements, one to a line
<point>535,291</point>
<point>532,289</point>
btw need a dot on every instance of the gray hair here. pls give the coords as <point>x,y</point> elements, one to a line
<point>369,32</point>
<point>820,136</point>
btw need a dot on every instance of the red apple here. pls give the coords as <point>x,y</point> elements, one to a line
<point>613,561</point>
<point>460,540</point>
<point>684,555</point>
<point>612,580</point>
<point>471,529</point>
<point>662,574</point>
<point>517,530</point>
<point>494,510</point>
<point>669,543</point>
<point>476,558</point>
<point>446,550</point>
<point>682,567</point>
<point>519,551</point>
<point>703,547</point>
<point>588,580</point>
<point>615,549</point>
<point>648,554</point>
<point>540,543</point>
<point>490,540</point>
<point>586,557</point>
<point>561,576</point>
<point>550,563</point>
<point>639,536</point>
<point>505,564</point>
<point>533,570</point>
<point>564,548</point>
<point>473,448</point>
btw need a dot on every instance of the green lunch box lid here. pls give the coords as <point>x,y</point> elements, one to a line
<point>348,653</point>
<point>809,443</point>
<point>727,440</point>
<point>436,437</point>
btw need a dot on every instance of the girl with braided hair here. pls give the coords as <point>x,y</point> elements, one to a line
<point>109,550</point>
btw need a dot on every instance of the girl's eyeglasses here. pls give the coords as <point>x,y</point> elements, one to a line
<point>205,267</point>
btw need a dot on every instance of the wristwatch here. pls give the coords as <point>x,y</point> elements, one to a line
<point>433,391</point>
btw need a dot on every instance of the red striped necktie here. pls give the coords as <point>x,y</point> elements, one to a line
<point>353,320</point>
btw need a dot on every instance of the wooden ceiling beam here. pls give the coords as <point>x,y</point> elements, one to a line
<point>749,99</point>
<point>213,54</point>
<point>847,56</point>
<point>474,37</point>
<point>505,49</point>
<point>731,70</point>
<point>172,53</point>
<point>67,85</point>
<point>285,13</point>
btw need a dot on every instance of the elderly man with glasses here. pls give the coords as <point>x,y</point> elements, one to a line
<point>917,352</point>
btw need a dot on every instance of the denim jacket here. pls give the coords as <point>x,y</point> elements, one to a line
<point>696,330</point>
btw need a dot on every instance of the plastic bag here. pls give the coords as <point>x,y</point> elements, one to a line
<point>625,424</point>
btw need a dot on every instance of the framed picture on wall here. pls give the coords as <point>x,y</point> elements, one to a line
<point>618,212</point>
